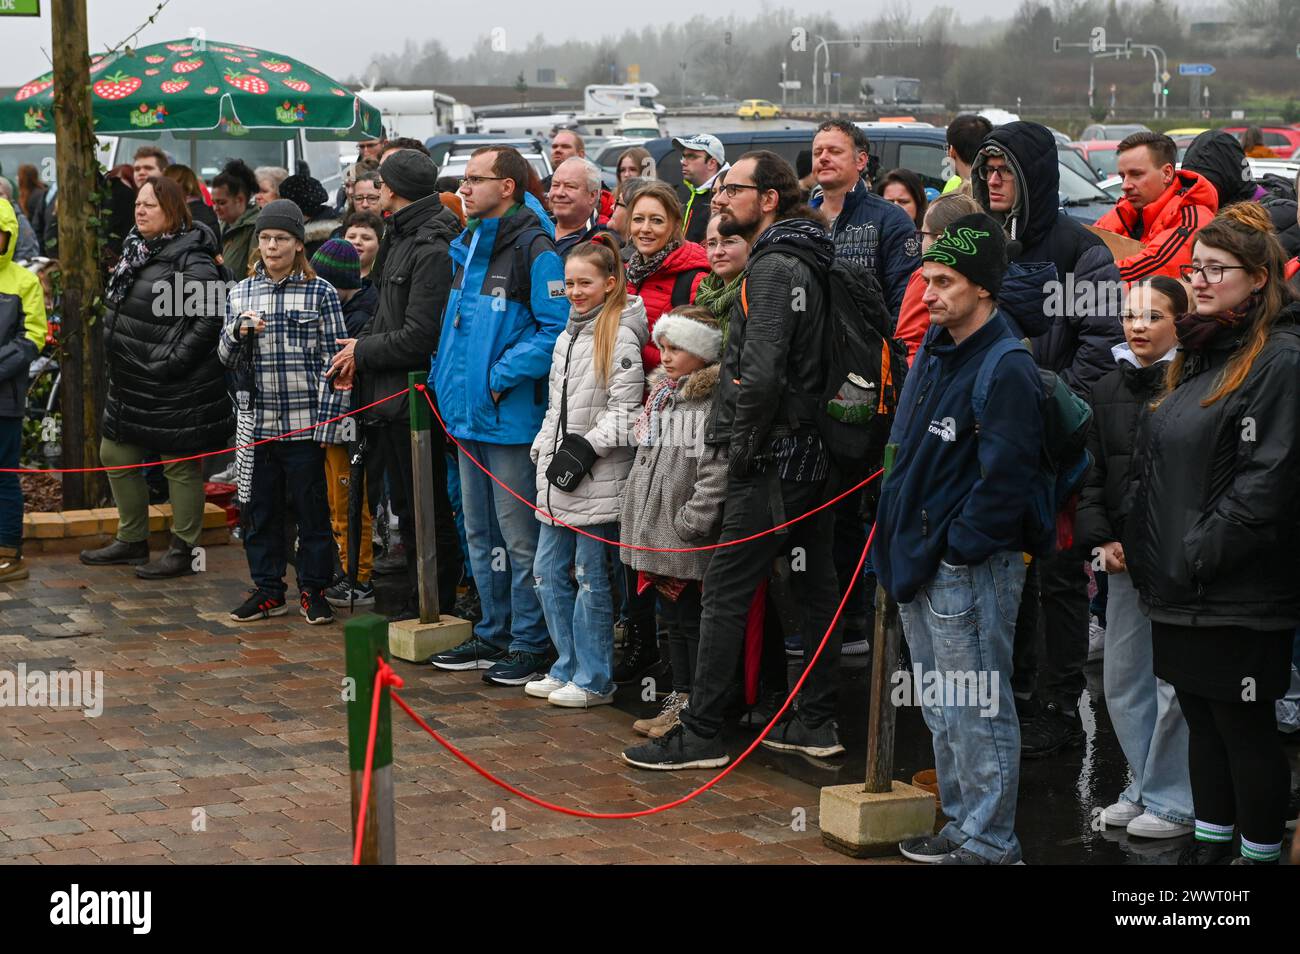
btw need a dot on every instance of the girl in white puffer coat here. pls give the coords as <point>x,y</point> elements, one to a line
<point>583,455</point>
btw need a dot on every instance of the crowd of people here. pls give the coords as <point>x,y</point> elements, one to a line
<point>632,386</point>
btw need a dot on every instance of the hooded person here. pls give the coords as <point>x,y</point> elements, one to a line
<point>398,340</point>
<point>318,215</point>
<point>22,336</point>
<point>1219,157</point>
<point>1015,178</point>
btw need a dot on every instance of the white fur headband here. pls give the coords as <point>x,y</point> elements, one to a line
<point>689,335</point>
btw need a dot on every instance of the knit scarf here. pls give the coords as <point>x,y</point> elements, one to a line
<point>1196,331</point>
<point>719,297</point>
<point>646,426</point>
<point>136,250</point>
<point>639,268</point>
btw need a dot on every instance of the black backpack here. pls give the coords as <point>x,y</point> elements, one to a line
<point>865,364</point>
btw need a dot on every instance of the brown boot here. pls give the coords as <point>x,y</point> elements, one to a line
<point>668,717</point>
<point>12,567</point>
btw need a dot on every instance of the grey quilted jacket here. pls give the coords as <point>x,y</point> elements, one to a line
<point>601,412</point>
<point>674,494</point>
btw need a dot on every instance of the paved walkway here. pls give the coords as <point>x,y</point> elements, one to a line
<point>222,742</point>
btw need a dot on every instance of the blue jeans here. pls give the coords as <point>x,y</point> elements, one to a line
<point>1144,711</point>
<point>961,626</point>
<point>453,494</point>
<point>579,606</point>
<point>501,534</point>
<point>11,492</point>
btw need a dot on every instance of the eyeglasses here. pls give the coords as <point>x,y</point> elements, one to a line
<point>365,199</point>
<point>1213,274</point>
<point>1005,173</point>
<point>733,189</point>
<point>1151,319</point>
<point>922,235</point>
<point>474,181</point>
<point>274,239</point>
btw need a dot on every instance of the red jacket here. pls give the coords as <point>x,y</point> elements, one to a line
<point>1292,267</point>
<point>657,290</point>
<point>913,316</point>
<point>1165,228</point>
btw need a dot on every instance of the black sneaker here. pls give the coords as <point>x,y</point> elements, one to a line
<point>314,608</point>
<point>473,653</point>
<point>1207,853</point>
<point>517,668</point>
<point>928,850</point>
<point>340,594</point>
<point>963,856</point>
<point>679,749</point>
<point>794,735</point>
<point>1027,710</point>
<point>1052,731</point>
<point>259,605</point>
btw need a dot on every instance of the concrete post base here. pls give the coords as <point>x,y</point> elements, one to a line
<point>413,641</point>
<point>871,824</point>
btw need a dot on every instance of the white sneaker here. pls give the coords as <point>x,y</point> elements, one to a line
<point>1096,639</point>
<point>541,688</point>
<point>1120,814</point>
<point>226,476</point>
<point>1147,825</point>
<point>856,647</point>
<point>572,696</point>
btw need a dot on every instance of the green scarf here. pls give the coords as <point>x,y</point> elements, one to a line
<point>719,297</point>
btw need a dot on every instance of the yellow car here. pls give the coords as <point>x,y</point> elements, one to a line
<point>758,109</point>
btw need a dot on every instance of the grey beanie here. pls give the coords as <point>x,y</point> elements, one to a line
<point>284,215</point>
<point>410,174</point>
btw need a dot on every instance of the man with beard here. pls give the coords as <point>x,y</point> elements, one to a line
<point>778,465</point>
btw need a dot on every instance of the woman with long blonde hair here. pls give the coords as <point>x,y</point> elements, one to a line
<point>1210,539</point>
<point>583,455</point>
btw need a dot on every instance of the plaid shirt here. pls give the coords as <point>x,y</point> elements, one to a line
<point>304,321</point>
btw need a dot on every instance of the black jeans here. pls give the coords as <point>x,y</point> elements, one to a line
<point>682,621</point>
<point>295,468</point>
<point>388,450</point>
<point>1058,644</point>
<point>754,504</point>
<point>850,536</point>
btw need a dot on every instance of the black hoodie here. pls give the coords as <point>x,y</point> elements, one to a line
<point>773,361</point>
<point>1218,156</point>
<point>412,295</point>
<point>1077,345</point>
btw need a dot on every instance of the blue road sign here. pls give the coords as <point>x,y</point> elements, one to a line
<point>1195,69</point>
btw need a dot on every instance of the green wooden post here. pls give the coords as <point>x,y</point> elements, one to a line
<point>365,637</point>
<point>421,506</point>
<point>884,658</point>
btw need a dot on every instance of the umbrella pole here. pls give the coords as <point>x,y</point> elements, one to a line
<point>194,156</point>
<point>422,502</point>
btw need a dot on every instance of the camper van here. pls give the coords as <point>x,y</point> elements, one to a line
<point>412,113</point>
<point>616,100</point>
<point>639,123</point>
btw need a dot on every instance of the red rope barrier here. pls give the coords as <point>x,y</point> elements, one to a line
<point>616,543</point>
<point>582,813</point>
<point>384,676</point>
<point>181,460</point>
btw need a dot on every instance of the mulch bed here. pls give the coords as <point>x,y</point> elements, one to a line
<point>42,493</point>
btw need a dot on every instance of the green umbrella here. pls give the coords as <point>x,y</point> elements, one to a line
<point>203,89</point>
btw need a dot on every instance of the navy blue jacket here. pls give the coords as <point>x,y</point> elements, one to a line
<point>879,236</point>
<point>952,496</point>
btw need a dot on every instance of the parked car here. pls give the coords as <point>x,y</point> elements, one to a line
<point>1115,132</point>
<point>1283,140</point>
<point>1073,157</point>
<point>758,109</point>
<point>1100,154</point>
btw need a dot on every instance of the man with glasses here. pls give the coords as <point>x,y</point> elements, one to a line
<point>365,193</point>
<point>1015,180</point>
<point>575,192</point>
<point>703,160</point>
<point>866,229</point>
<point>507,306</point>
<point>777,462</point>
<point>1162,207</point>
<point>398,340</point>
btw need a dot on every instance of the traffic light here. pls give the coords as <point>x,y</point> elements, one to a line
<point>1128,46</point>
<point>1164,91</point>
<point>1056,45</point>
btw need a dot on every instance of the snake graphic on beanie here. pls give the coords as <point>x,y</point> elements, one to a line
<point>975,246</point>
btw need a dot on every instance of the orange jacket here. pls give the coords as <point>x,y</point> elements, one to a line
<point>1165,227</point>
<point>1292,267</point>
<point>913,316</point>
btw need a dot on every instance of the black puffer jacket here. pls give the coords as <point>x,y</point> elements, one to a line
<point>403,334</point>
<point>1077,345</point>
<point>1211,536</point>
<point>166,387</point>
<point>1119,401</point>
<point>1218,156</point>
<point>772,370</point>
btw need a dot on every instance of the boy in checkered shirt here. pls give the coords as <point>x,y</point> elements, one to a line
<point>294,321</point>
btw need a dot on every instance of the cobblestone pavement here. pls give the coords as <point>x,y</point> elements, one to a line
<point>246,724</point>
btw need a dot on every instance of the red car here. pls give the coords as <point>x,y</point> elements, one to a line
<point>1100,154</point>
<point>1283,140</point>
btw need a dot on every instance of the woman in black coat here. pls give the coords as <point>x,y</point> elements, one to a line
<point>1211,538</point>
<point>166,387</point>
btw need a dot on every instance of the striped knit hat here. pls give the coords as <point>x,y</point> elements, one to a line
<point>338,263</point>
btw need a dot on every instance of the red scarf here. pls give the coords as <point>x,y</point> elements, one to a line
<point>1196,331</point>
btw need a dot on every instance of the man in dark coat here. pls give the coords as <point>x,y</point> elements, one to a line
<point>400,339</point>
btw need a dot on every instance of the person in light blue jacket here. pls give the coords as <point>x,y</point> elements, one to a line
<point>506,308</point>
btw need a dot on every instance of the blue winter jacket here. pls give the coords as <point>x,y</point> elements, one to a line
<point>878,235</point>
<point>951,495</point>
<point>504,312</point>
